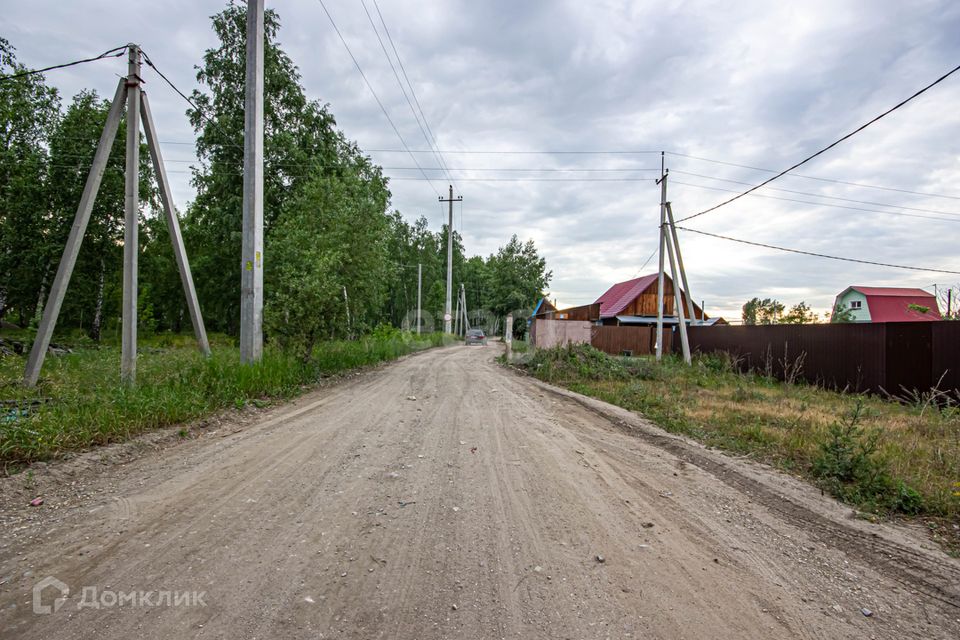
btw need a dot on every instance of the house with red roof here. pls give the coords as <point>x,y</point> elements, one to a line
<point>886,304</point>
<point>634,302</point>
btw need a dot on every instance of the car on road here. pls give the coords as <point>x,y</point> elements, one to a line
<point>475,336</point>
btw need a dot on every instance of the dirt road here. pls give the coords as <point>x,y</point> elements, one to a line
<point>443,496</point>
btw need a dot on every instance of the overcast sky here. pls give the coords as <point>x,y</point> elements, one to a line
<point>762,84</point>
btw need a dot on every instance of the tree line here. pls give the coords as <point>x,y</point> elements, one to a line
<point>330,230</point>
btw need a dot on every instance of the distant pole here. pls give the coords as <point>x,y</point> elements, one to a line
<point>346,306</point>
<point>508,335</point>
<point>456,323</point>
<point>448,307</point>
<point>466,319</point>
<point>251,278</point>
<point>663,219</point>
<point>131,213</point>
<point>70,251</point>
<point>949,302</point>
<point>419,293</point>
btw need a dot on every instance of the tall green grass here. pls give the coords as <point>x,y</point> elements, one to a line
<point>80,402</point>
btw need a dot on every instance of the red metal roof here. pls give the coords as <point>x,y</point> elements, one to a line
<point>892,304</point>
<point>892,291</point>
<point>622,294</point>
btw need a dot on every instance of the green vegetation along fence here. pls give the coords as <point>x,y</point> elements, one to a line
<point>892,357</point>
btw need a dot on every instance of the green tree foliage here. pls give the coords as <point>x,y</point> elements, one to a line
<point>800,313</point>
<point>28,111</point>
<point>327,217</point>
<point>95,288</point>
<point>517,277</point>
<point>765,311</point>
<point>299,137</point>
<point>329,237</point>
<point>841,314</point>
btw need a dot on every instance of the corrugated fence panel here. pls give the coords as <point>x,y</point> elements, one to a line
<point>946,355</point>
<point>851,356</point>
<point>909,357</point>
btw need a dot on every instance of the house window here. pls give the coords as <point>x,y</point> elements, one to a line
<point>855,304</point>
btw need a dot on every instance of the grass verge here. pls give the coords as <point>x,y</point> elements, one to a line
<point>882,457</point>
<point>79,401</point>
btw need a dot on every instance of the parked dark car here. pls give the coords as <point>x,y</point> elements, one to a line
<point>475,336</point>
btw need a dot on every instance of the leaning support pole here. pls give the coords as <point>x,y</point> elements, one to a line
<point>678,302</point>
<point>131,214</point>
<point>173,227</point>
<point>55,300</point>
<point>683,272</point>
<point>663,238</point>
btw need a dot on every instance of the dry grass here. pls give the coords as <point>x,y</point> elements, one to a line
<point>786,425</point>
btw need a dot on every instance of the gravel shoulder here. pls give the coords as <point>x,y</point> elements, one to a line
<point>444,496</point>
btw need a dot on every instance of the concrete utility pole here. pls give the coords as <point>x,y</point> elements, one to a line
<point>173,226</point>
<point>691,314</point>
<point>346,305</point>
<point>456,322</point>
<point>466,320</point>
<point>678,296</point>
<point>130,92</point>
<point>70,251</point>
<point>251,279</point>
<point>508,335</point>
<point>419,293</point>
<point>663,218</point>
<point>447,317</point>
<point>131,213</point>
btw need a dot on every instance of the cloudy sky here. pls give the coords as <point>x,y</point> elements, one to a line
<point>759,84</point>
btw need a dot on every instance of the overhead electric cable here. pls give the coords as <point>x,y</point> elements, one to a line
<point>375,96</point>
<point>819,179</point>
<point>819,195</point>
<point>819,204</point>
<point>817,255</point>
<point>828,147</point>
<point>413,91</point>
<point>116,52</point>
<point>396,75</point>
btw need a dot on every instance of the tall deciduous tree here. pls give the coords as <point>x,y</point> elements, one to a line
<point>28,111</point>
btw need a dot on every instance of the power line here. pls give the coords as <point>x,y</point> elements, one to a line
<point>512,152</point>
<point>409,84</point>
<point>817,255</point>
<point>116,52</point>
<point>818,204</point>
<point>806,177</point>
<point>819,195</point>
<point>375,96</point>
<point>399,81</point>
<point>828,147</point>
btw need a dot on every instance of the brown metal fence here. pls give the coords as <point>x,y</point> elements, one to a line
<point>637,340</point>
<point>891,357</point>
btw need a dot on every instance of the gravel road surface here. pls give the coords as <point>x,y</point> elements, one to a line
<point>444,496</point>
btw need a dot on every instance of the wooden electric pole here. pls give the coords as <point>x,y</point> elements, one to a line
<point>251,274</point>
<point>447,317</point>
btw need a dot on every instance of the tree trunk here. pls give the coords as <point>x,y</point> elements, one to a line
<point>98,309</point>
